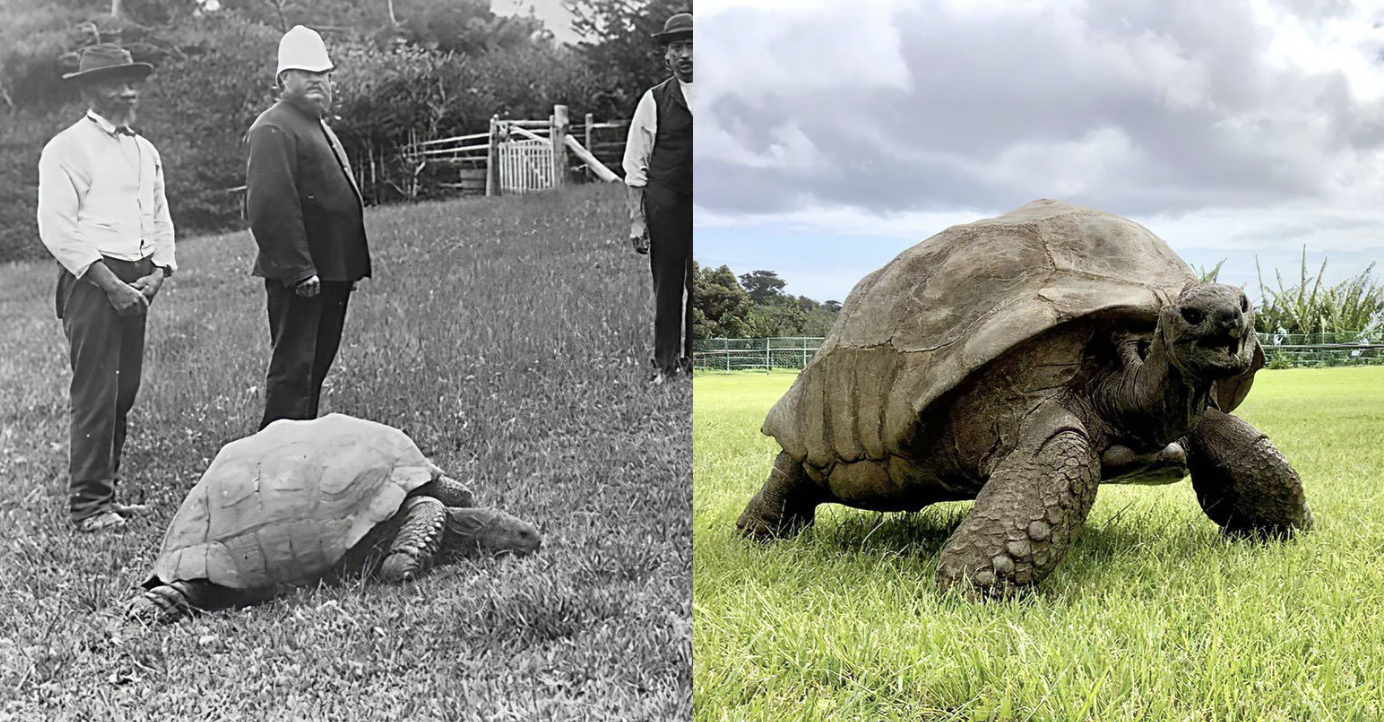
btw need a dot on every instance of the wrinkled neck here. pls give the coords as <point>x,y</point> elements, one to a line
<point>1148,401</point>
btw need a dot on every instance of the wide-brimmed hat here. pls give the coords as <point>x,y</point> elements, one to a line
<point>105,61</point>
<point>678,27</point>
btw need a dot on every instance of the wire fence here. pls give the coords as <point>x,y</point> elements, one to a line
<point>1281,350</point>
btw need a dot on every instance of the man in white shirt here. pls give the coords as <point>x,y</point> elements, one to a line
<point>103,215</point>
<point>658,174</point>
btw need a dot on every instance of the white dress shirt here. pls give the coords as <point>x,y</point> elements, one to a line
<point>639,146</point>
<point>100,193</point>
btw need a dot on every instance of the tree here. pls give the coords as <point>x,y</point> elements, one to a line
<point>779,319</point>
<point>833,306</point>
<point>720,307</point>
<point>763,286</point>
<point>617,42</point>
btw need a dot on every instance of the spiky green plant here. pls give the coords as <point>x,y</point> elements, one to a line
<point>1211,275</point>
<point>1355,305</point>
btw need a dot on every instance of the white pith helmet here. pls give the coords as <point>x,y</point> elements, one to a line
<point>302,49</point>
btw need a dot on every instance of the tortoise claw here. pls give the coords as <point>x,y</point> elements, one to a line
<point>399,567</point>
<point>161,605</point>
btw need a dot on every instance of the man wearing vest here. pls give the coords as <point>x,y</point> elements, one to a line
<point>103,215</point>
<point>658,174</point>
<point>307,218</point>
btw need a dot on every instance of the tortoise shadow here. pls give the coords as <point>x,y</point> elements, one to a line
<point>845,535</point>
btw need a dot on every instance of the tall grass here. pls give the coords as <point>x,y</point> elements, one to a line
<point>509,337</point>
<point>1152,616</point>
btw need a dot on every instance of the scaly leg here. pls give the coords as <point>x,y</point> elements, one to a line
<point>1242,481</point>
<point>1029,512</point>
<point>786,504</point>
<point>418,538</point>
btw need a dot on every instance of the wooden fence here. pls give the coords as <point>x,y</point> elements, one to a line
<point>513,156</point>
<point>521,156</point>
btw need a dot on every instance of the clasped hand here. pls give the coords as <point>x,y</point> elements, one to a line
<point>309,287</point>
<point>132,299</point>
<point>639,236</point>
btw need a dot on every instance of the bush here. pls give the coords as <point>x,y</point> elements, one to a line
<point>196,111</point>
<point>1353,305</point>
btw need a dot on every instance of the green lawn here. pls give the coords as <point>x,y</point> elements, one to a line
<point>509,337</point>
<point>1151,617</point>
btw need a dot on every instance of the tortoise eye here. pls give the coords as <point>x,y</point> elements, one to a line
<point>1244,303</point>
<point>1193,316</point>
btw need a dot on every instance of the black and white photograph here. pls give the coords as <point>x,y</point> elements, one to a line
<point>346,359</point>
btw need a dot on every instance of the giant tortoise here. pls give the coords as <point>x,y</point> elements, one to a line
<point>303,502</point>
<point>1020,361</point>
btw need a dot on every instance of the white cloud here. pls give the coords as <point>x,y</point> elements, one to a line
<point>1134,107</point>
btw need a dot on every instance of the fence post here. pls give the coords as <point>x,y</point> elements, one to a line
<point>558,134</point>
<point>725,346</point>
<point>767,366</point>
<point>492,161</point>
<point>589,120</point>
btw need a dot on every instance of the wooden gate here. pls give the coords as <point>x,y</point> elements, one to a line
<point>526,164</point>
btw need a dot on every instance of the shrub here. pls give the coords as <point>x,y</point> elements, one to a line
<point>1353,305</point>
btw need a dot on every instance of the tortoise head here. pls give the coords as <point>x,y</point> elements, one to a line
<point>1208,331</point>
<point>491,532</point>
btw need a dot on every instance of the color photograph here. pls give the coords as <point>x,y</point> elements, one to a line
<point>1039,360</point>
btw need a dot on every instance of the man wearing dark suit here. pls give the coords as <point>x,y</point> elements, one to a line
<point>658,173</point>
<point>307,218</point>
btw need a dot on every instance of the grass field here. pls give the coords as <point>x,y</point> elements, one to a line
<point>1151,617</point>
<point>509,337</point>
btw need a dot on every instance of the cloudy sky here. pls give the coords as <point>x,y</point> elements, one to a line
<point>833,135</point>
<point>554,16</point>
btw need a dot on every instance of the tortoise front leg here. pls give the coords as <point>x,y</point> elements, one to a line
<point>1029,512</point>
<point>417,540</point>
<point>785,505</point>
<point>1242,481</point>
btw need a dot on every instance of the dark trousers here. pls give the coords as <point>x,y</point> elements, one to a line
<point>668,215</point>
<point>106,351</point>
<point>306,333</point>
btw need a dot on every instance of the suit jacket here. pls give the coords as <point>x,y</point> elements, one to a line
<point>305,210</point>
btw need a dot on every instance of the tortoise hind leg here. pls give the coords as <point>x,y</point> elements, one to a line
<point>1029,512</point>
<point>786,504</point>
<point>1242,481</point>
<point>419,536</point>
<point>164,603</point>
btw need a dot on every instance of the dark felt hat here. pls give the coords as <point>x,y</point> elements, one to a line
<point>105,61</point>
<point>678,27</point>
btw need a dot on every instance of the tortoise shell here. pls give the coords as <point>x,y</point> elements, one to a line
<point>282,507</point>
<point>941,310</point>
